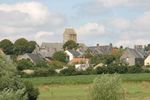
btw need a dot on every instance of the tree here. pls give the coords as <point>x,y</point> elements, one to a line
<point>21,46</point>
<point>147,48</point>
<point>11,86</point>
<point>70,45</point>
<point>60,56</point>
<point>31,46</point>
<point>7,46</point>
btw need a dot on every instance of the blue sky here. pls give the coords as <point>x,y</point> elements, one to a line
<point>121,22</point>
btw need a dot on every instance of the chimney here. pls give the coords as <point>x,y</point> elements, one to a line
<point>97,45</point>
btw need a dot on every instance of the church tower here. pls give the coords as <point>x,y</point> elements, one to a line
<point>69,34</point>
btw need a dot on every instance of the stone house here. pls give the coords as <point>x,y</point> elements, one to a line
<point>133,57</point>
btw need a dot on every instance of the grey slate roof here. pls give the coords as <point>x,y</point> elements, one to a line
<point>35,58</point>
<point>101,49</point>
<point>137,53</point>
<point>75,53</point>
<point>48,49</point>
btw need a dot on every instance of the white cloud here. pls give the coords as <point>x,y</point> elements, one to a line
<point>91,28</point>
<point>42,33</point>
<point>120,23</point>
<point>26,18</point>
<point>128,3</point>
<point>142,23</point>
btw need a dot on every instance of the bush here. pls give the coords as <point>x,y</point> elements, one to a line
<point>135,69</point>
<point>32,92</point>
<point>101,70</point>
<point>11,86</point>
<point>68,71</point>
<point>24,64</point>
<point>107,87</point>
<point>44,72</point>
<point>9,94</point>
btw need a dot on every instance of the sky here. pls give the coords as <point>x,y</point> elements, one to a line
<point>121,22</point>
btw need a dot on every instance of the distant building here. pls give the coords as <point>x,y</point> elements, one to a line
<point>46,50</point>
<point>133,57</point>
<point>101,50</point>
<point>69,34</point>
<point>34,58</point>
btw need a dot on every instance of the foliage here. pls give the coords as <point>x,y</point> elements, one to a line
<point>135,69</point>
<point>24,46</point>
<point>9,81</point>
<point>13,95</point>
<point>70,45</point>
<point>147,48</point>
<point>32,92</point>
<point>68,71</point>
<point>24,64</point>
<point>60,56</point>
<point>7,46</point>
<point>44,72</point>
<point>32,46</point>
<point>106,87</point>
<point>56,64</point>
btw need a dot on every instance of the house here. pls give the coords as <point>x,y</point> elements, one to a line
<point>133,57</point>
<point>101,50</point>
<point>34,58</point>
<point>147,61</point>
<point>48,49</point>
<point>71,54</point>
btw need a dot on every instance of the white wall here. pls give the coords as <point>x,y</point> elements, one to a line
<point>69,54</point>
<point>147,61</point>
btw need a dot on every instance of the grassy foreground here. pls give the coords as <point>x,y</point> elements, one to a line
<point>136,87</point>
<point>84,79</point>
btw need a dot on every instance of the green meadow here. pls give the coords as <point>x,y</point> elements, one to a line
<point>136,87</point>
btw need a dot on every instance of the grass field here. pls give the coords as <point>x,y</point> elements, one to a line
<point>136,87</point>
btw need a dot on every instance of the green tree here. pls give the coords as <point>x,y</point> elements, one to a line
<point>147,48</point>
<point>7,46</point>
<point>60,56</point>
<point>21,46</point>
<point>11,86</point>
<point>70,45</point>
<point>31,46</point>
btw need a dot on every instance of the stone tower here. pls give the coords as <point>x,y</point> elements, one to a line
<point>69,34</point>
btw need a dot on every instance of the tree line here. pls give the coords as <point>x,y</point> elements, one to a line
<point>20,46</point>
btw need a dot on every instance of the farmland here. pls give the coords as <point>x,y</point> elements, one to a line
<point>136,87</point>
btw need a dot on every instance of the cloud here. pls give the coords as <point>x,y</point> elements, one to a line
<point>120,23</point>
<point>25,18</point>
<point>97,7</point>
<point>42,34</point>
<point>91,29</point>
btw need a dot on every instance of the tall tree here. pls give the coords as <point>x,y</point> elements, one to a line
<point>60,56</point>
<point>21,46</point>
<point>7,46</point>
<point>70,45</point>
<point>31,46</point>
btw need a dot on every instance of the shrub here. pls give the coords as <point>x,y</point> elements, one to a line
<point>101,70</point>
<point>32,92</point>
<point>24,64</point>
<point>9,94</point>
<point>68,71</point>
<point>135,69</point>
<point>10,83</point>
<point>44,72</point>
<point>107,87</point>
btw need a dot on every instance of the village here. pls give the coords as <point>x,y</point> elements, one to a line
<point>71,53</point>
